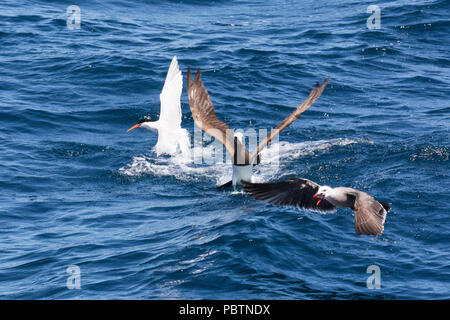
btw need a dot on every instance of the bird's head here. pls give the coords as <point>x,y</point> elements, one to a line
<point>142,123</point>
<point>322,193</point>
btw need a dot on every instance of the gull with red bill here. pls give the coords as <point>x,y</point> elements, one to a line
<point>171,137</point>
<point>370,214</point>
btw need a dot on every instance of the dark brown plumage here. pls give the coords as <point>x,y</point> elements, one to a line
<point>205,117</point>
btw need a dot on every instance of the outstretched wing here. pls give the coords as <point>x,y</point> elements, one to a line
<point>205,116</point>
<point>369,215</point>
<point>296,192</point>
<point>315,93</point>
<point>170,96</point>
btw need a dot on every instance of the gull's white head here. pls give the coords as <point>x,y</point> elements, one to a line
<point>322,193</point>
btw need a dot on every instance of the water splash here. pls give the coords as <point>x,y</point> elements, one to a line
<point>188,169</point>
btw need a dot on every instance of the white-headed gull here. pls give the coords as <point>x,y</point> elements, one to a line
<point>370,214</point>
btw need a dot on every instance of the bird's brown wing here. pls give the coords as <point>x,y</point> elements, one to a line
<point>205,116</point>
<point>315,93</point>
<point>296,192</point>
<point>369,215</point>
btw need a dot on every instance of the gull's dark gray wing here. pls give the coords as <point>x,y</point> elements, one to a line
<point>370,215</point>
<point>296,192</point>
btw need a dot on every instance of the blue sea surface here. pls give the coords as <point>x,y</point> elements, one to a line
<point>77,189</point>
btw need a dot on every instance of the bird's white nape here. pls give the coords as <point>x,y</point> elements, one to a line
<point>150,125</point>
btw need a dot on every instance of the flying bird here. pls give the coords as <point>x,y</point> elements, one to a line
<point>171,137</point>
<point>370,214</point>
<point>206,119</point>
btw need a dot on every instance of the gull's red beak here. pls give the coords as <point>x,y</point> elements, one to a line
<point>319,199</point>
<point>134,127</point>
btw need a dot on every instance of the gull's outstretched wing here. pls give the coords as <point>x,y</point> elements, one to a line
<point>369,214</point>
<point>296,192</point>
<point>205,116</point>
<point>315,93</point>
<point>170,96</point>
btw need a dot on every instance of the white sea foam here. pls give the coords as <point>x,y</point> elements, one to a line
<point>188,170</point>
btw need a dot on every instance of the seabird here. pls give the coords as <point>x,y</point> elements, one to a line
<point>206,119</point>
<point>171,137</point>
<point>370,214</point>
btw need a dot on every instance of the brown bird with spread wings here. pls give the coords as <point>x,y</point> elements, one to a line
<point>206,119</point>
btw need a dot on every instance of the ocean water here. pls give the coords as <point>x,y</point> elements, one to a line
<point>76,189</point>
